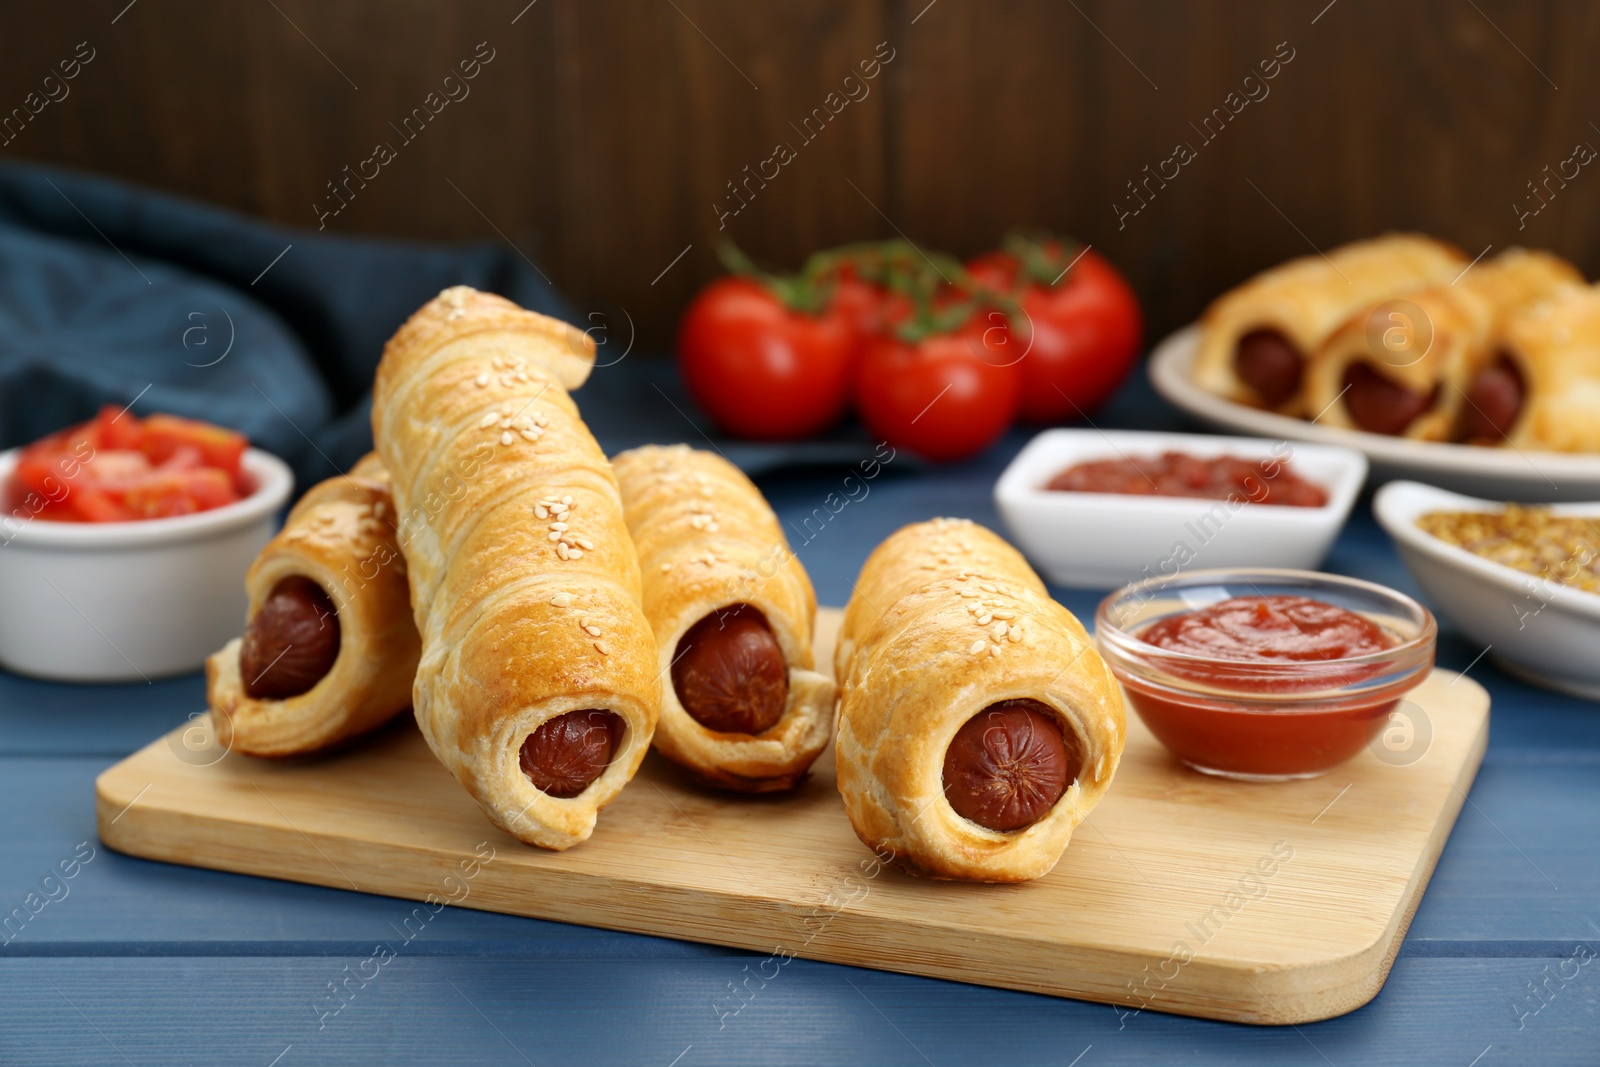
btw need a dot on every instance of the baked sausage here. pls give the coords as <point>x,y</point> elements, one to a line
<point>570,751</point>
<point>1494,400</point>
<point>1009,764</point>
<point>729,672</point>
<point>1269,363</point>
<point>291,642</point>
<point>1379,405</point>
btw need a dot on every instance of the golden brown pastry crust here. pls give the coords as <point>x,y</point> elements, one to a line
<point>1307,298</point>
<point>1556,346</point>
<point>341,535</point>
<point>946,620</point>
<point>707,539</point>
<point>524,616</point>
<point>1463,318</point>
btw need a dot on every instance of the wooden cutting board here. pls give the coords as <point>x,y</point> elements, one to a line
<point>1280,903</point>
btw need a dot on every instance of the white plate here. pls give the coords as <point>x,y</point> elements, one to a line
<point>1103,540</point>
<point>1503,473</point>
<point>1541,631</point>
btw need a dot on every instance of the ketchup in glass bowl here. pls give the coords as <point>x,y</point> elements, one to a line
<point>1264,674</point>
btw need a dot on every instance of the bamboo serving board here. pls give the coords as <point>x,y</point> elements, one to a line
<point>1276,904</point>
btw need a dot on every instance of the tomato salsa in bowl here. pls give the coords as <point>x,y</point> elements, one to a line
<point>1172,473</point>
<point>124,543</point>
<point>118,467</point>
<point>1097,508</point>
<point>1264,674</point>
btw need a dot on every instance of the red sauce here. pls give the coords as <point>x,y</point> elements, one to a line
<point>1269,628</point>
<point>1263,481</point>
<point>1253,736</point>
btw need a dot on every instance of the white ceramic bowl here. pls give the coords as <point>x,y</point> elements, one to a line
<point>130,601</point>
<point>1099,540</point>
<point>1542,631</point>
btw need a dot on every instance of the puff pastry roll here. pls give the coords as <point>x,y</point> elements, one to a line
<point>732,610</point>
<point>329,648</point>
<point>1425,367</point>
<point>1255,339</point>
<point>1553,350</point>
<point>537,686</point>
<point>977,724</point>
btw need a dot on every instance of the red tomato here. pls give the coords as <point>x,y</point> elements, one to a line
<point>116,427</point>
<point>35,471</point>
<point>48,466</point>
<point>90,504</point>
<point>186,458</point>
<point>179,492</point>
<point>42,508</point>
<point>218,447</point>
<point>858,303</point>
<point>945,397</point>
<point>762,370</point>
<point>870,309</point>
<point>1082,335</point>
<point>116,468</point>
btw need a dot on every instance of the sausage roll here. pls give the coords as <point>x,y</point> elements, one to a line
<point>1256,339</point>
<point>1547,395</point>
<point>1408,368</point>
<point>329,648</point>
<point>537,686</point>
<point>732,610</point>
<point>977,724</point>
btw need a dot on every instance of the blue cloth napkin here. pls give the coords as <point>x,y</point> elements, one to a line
<point>113,294</point>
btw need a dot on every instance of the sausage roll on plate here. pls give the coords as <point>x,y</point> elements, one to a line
<point>732,610</point>
<point>1425,367</point>
<point>329,649</point>
<point>538,686</point>
<point>978,725</point>
<point>1548,360</point>
<point>1257,338</point>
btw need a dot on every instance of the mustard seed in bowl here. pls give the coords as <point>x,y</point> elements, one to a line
<point>1556,548</point>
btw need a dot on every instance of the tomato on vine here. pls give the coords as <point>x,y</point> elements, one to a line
<point>1075,316</point>
<point>766,358</point>
<point>945,384</point>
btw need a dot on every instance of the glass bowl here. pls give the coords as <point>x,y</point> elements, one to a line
<point>1263,720</point>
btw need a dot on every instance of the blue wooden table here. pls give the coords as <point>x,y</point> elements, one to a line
<point>134,962</point>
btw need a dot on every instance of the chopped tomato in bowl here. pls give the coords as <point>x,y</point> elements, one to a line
<point>124,543</point>
<point>120,468</point>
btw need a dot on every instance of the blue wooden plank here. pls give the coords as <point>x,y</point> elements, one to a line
<point>677,1013</point>
<point>40,718</point>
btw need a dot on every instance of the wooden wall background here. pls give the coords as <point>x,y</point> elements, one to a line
<point>602,133</point>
